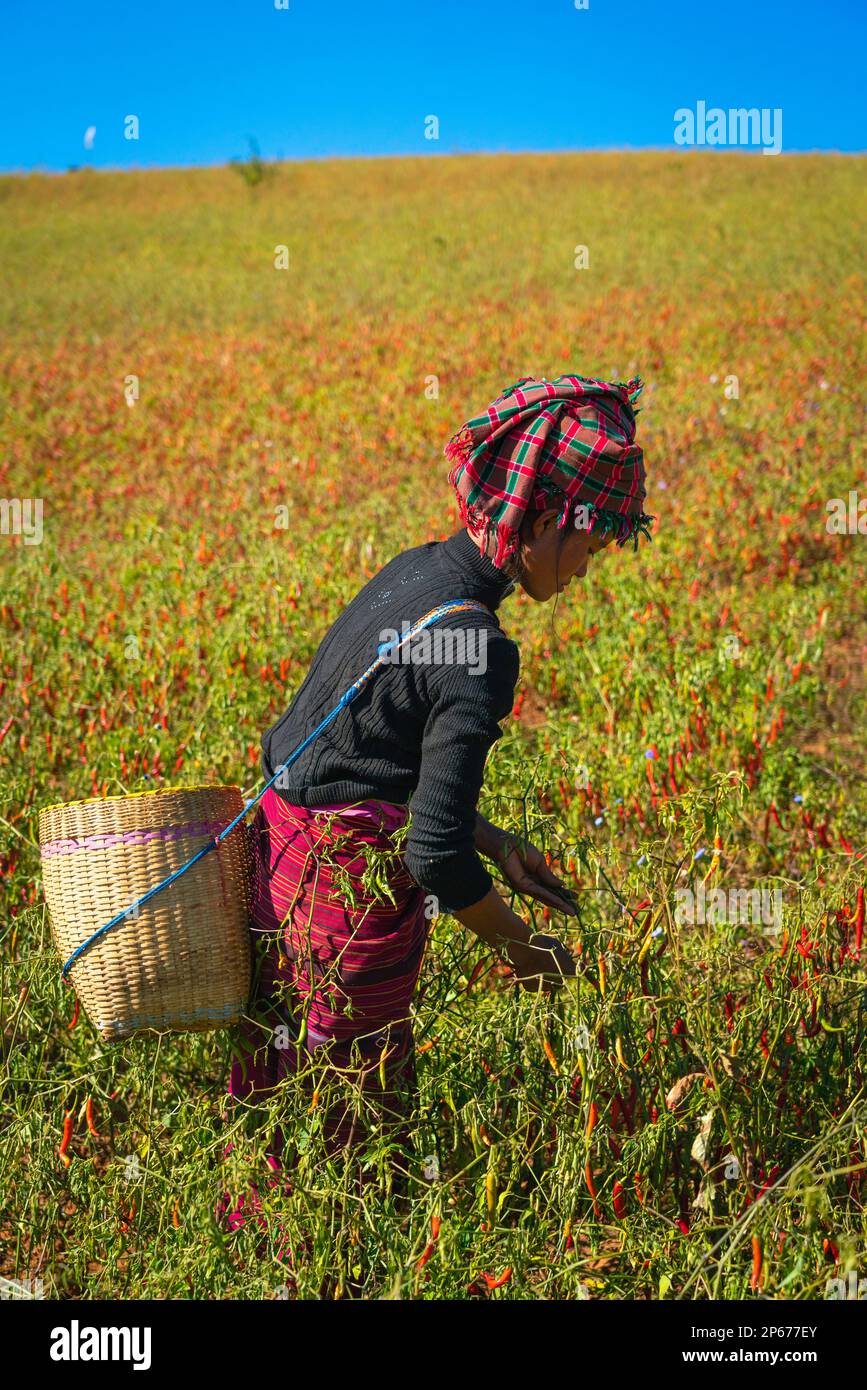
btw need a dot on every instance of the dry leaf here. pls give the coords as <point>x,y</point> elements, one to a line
<point>681,1089</point>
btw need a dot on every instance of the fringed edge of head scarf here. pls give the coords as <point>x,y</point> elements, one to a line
<point>569,442</point>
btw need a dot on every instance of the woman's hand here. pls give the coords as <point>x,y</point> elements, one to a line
<point>524,867</point>
<point>541,964</point>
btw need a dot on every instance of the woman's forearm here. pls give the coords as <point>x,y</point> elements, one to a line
<point>494,921</point>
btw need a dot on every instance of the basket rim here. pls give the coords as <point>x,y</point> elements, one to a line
<point>150,791</point>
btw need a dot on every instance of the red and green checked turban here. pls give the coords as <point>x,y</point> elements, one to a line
<point>568,442</point>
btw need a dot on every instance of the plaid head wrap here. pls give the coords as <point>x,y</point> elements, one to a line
<point>568,443</point>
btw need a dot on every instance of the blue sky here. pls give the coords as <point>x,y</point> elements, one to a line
<point>357,77</point>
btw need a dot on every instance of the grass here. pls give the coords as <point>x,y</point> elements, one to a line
<point>165,620</point>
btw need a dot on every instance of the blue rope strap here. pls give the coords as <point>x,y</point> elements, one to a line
<point>385,650</point>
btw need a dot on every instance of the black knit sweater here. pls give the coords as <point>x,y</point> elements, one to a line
<point>422,728</point>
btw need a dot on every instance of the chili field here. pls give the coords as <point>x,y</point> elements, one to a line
<point>223,406</point>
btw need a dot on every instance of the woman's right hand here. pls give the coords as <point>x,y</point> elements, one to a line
<point>542,963</point>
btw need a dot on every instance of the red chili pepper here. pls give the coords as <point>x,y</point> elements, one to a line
<point>498,1282</point>
<point>64,1143</point>
<point>90,1124</point>
<point>478,968</point>
<point>645,966</point>
<point>591,1187</point>
<point>425,1256</point>
<point>6,727</point>
<point>618,1111</point>
<point>807,820</point>
<point>756,1276</point>
<point>805,946</point>
<point>72,1022</point>
<point>619,1200</point>
<point>768,1180</point>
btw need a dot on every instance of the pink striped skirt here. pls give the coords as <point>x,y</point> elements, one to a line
<point>337,959</point>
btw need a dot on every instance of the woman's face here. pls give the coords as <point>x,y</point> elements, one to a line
<point>552,557</point>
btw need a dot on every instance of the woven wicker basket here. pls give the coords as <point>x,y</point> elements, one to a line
<point>182,964</point>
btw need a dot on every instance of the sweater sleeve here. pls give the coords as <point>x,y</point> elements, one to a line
<point>461,727</point>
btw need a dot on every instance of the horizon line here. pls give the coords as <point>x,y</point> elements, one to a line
<point>50,171</point>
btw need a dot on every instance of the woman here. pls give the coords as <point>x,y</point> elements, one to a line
<point>545,479</point>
